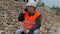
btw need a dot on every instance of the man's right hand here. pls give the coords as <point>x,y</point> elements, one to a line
<point>26,32</point>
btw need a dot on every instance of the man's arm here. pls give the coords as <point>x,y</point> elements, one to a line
<point>21,17</point>
<point>38,24</point>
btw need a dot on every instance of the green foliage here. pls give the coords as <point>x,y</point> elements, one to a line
<point>54,7</point>
<point>58,9</point>
<point>40,4</point>
<point>23,0</point>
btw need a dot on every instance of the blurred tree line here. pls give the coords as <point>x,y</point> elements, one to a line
<point>57,9</point>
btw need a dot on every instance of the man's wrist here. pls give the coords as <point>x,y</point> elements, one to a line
<point>27,30</point>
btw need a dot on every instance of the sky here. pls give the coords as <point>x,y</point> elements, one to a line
<point>51,2</point>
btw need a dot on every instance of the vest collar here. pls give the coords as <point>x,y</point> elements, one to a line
<point>31,14</point>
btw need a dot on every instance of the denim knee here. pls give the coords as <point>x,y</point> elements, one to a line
<point>36,32</point>
<point>19,31</point>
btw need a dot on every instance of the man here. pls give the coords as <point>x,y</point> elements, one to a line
<point>31,19</point>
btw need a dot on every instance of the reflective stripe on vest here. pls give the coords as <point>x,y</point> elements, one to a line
<point>27,27</point>
<point>28,22</point>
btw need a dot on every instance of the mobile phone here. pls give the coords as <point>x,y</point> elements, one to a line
<point>25,9</point>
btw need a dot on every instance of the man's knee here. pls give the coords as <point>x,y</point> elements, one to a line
<point>19,31</point>
<point>36,32</point>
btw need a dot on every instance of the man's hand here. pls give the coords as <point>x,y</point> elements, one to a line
<point>26,32</point>
<point>22,11</point>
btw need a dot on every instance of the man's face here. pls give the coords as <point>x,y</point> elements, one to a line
<point>30,9</point>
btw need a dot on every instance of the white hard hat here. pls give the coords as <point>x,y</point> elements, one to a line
<point>31,3</point>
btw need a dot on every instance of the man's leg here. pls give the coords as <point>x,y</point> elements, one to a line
<point>36,32</point>
<point>19,31</point>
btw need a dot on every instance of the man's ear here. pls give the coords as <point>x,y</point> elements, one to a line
<point>35,8</point>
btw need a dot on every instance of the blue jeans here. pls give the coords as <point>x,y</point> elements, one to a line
<point>19,31</point>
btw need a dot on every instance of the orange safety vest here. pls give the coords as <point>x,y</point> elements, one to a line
<point>29,21</point>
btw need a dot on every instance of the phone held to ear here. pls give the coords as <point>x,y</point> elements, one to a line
<point>25,9</point>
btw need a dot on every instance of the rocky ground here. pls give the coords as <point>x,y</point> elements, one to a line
<point>9,11</point>
<point>50,22</point>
